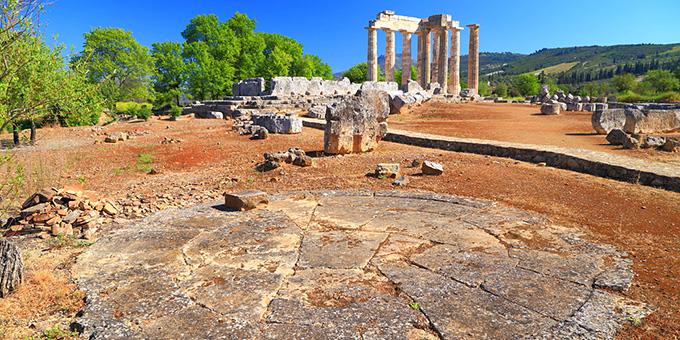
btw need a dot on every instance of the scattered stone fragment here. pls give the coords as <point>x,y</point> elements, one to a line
<point>617,137</point>
<point>11,268</point>
<point>259,133</point>
<point>671,145</point>
<point>245,200</point>
<point>631,143</point>
<point>268,165</point>
<point>116,137</point>
<point>652,142</point>
<point>401,181</point>
<point>170,140</point>
<point>295,156</point>
<point>387,170</point>
<point>432,169</point>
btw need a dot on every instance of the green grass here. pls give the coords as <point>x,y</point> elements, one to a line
<point>632,97</point>
<point>55,333</point>
<point>144,163</point>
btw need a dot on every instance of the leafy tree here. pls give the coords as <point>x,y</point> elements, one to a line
<point>398,73</point>
<point>170,73</point>
<point>483,88</point>
<point>677,72</point>
<point>251,45</point>
<point>624,82</point>
<point>311,66</point>
<point>118,62</point>
<point>501,90</point>
<point>210,51</point>
<point>661,81</point>
<point>526,84</point>
<point>357,73</point>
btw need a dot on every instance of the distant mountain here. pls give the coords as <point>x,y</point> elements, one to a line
<point>574,65</point>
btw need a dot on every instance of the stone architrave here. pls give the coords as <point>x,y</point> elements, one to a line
<point>357,123</point>
<point>473,60</point>
<point>405,57</point>
<point>454,66</point>
<point>390,56</point>
<point>372,54</point>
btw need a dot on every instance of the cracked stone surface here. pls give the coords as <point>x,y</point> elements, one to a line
<point>354,265</point>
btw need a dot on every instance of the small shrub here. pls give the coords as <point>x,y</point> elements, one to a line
<point>55,333</point>
<point>144,161</point>
<point>136,110</point>
<point>175,111</point>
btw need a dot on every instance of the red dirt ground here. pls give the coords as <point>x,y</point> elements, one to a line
<point>520,123</point>
<point>643,221</point>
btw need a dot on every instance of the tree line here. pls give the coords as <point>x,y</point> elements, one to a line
<point>40,85</point>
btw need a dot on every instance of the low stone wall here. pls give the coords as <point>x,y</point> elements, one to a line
<point>621,168</point>
<point>638,119</point>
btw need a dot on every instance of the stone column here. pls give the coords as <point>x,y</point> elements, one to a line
<point>427,56</point>
<point>405,57</point>
<point>389,55</point>
<point>454,65</point>
<point>435,54</point>
<point>419,58</point>
<point>473,60</point>
<point>372,54</point>
<point>443,59</point>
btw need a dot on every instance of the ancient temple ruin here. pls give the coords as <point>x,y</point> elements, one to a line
<point>438,60</point>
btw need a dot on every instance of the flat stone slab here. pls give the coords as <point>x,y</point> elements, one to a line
<point>350,265</point>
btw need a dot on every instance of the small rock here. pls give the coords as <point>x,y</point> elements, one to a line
<point>387,170</point>
<point>268,165</point>
<point>616,137</point>
<point>432,169</point>
<point>401,181</point>
<point>259,133</point>
<point>631,143</point>
<point>245,200</point>
<point>671,145</point>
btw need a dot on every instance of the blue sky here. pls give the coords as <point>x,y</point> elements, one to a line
<point>334,30</point>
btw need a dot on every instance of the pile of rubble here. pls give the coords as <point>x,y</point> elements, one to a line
<point>295,156</point>
<point>555,104</point>
<point>642,141</point>
<point>61,212</point>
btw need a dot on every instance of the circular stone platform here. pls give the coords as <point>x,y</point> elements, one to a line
<point>353,265</point>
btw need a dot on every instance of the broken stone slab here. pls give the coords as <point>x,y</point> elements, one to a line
<point>631,142</point>
<point>432,169</point>
<point>245,200</point>
<point>281,124</point>
<point>249,87</point>
<point>389,87</point>
<point>616,137</point>
<point>42,196</point>
<point>551,108</point>
<point>607,120</point>
<point>400,101</point>
<point>413,87</point>
<point>317,111</point>
<point>651,121</point>
<point>268,165</point>
<point>647,142</point>
<point>210,115</point>
<point>259,133</point>
<point>11,268</point>
<point>356,124</point>
<point>387,170</point>
<point>116,137</point>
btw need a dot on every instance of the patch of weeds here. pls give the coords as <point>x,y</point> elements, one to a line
<point>82,179</point>
<point>414,305</point>
<point>144,162</point>
<point>382,177</point>
<point>250,180</point>
<point>637,322</point>
<point>121,170</point>
<point>55,333</point>
<point>62,241</point>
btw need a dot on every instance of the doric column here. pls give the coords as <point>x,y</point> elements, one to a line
<point>419,58</point>
<point>405,57</point>
<point>454,66</point>
<point>443,59</point>
<point>473,60</point>
<point>435,54</point>
<point>372,54</point>
<point>427,56</point>
<point>389,55</point>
